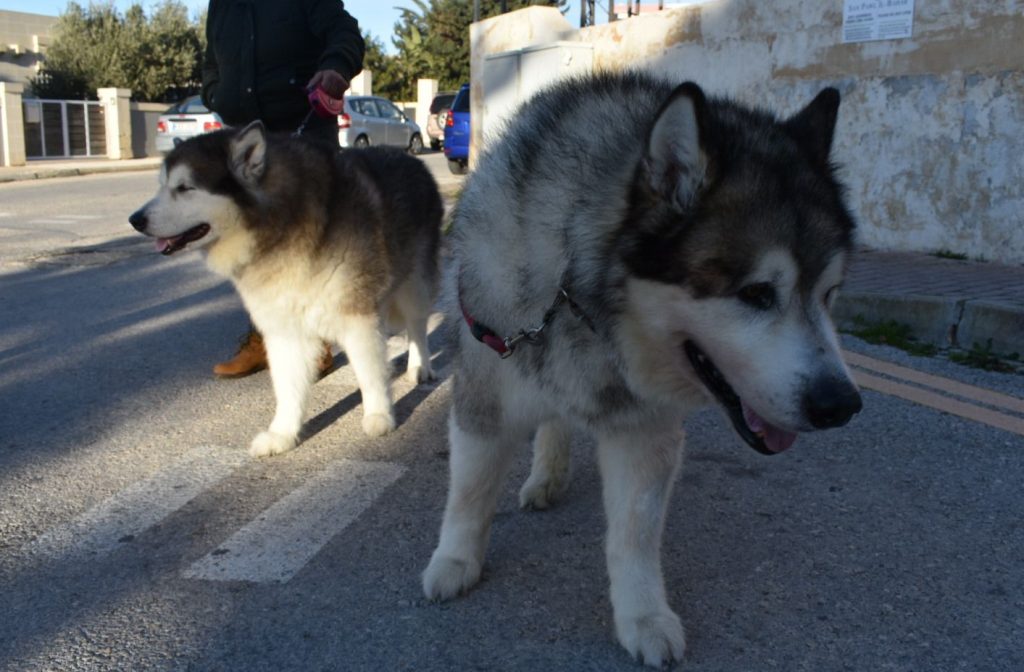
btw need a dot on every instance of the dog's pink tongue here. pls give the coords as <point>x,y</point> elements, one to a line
<point>163,243</point>
<point>775,439</point>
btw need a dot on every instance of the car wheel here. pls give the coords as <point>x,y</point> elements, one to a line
<point>361,142</point>
<point>435,145</point>
<point>415,144</point>
<point>457,167</point>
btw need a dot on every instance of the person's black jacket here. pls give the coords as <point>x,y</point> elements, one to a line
<point>261,53</point>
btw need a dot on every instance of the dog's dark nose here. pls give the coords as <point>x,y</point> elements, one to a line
<point>831,402</point>
<point>138,220</point>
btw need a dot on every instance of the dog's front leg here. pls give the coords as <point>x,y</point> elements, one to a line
<point>638,473</point>
<point>363,342</point>
<point>292,358</point>
<point>478,466</point>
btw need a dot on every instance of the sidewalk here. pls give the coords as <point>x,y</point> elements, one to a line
<point>945,302</point>
<point>39,169</point>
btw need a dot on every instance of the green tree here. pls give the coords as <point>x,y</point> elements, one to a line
<point>84,46</point>
<point>386,76</point>
<point>157,57</point>
<point>412,59</point>
<point>433,42</point>
<point>174,53</point>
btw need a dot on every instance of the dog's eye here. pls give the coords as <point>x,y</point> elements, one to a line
<point>760,295</point>
<point>830,296</point>
<point>182,188</point>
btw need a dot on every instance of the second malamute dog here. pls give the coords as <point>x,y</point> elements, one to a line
<point>627,251</point>
<point>321,246</point>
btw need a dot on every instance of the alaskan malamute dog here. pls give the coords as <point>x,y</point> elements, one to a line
<point>322,246</point>
<point>627,251</point>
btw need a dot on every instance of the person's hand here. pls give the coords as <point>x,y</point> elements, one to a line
<point>330,81</point>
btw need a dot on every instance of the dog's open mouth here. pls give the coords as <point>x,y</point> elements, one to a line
<point>171,245</point>
<point>761,435</point>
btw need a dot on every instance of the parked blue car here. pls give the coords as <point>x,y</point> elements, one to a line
<point>456,133</point>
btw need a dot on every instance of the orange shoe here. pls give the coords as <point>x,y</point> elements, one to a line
<point>251,358</point>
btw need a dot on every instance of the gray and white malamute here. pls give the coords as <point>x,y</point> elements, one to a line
<point>627,251</point>
<point>322,246</point>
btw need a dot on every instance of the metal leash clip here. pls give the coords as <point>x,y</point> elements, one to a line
<point>532,337</point>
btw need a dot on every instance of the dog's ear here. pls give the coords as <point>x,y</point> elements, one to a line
<point>248,153</point>
<point>676,160</point>
<point>814,126</point>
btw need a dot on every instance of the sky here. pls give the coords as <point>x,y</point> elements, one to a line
<point>375,16</point>
<point>378,16</point>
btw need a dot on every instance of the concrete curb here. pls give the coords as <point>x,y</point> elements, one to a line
<point>942,321</point>
<point>983,320</point>
<point>43,172</point>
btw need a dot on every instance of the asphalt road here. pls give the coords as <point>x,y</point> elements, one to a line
<point>136,534</point>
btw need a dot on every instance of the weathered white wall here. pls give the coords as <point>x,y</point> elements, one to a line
<point>931,129</point>
<point>23,39</point>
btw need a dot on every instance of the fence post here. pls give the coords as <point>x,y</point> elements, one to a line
<point>362,84</point>
<point>12,124</point>
<point>117,117</point>
<point>426,89</point>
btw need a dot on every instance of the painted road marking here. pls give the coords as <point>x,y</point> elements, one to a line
<point>940,402</point>
<point>141,505</point>
<point>64,219</point>
<point>971,392</point>
<point>275,546</point>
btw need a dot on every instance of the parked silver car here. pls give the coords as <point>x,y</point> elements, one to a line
<point>369,120</point>
<point>184,120</point>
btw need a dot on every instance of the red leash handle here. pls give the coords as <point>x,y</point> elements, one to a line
<point>324,105</point>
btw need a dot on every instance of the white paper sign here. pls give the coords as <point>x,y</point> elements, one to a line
<point>866,20</point>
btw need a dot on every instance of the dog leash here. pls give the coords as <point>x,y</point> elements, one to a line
<point>321,105</point>
<point>506,347</point>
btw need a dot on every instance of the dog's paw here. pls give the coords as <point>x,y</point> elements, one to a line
<point>445,577</point>
<point>542,490</point>
<point>655,639</point>
<point>419,374</point>
<point>271,443</point>
<point>378,424</point>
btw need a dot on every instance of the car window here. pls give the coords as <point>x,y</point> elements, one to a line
<point>441,102</point>
<point>461,103</point>
<point>194,106</point>
<point>365,107</point>
<point>388,110</point>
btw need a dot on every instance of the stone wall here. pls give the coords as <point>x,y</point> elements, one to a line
<point>931,129</point>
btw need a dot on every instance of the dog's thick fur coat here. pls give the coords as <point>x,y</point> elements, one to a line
<point>321,245</point>
<point>701,244</point>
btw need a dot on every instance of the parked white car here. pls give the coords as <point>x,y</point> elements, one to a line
<point>370,120</point>
<point>184,120</point>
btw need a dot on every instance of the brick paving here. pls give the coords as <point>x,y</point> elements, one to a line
<point>917,274</point>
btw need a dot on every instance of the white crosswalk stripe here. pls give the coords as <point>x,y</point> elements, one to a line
<point>275,546</point>
<point>141,505</point>
<point>64,219</point>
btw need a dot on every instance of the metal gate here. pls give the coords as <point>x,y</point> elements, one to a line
<point>64,129</point>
